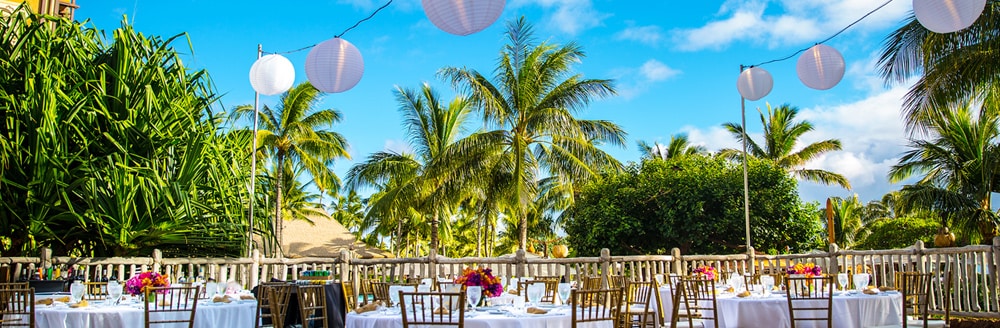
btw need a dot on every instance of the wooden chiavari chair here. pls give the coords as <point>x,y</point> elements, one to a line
<point>447,309</point>
<point>595,306</point>
<point>813,295</point>
<point>312,305</point>
<point>162,302</point>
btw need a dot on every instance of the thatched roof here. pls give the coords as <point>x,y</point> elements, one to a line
<point>325,238</point>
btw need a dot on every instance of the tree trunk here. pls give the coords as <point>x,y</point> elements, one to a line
<point>519,209</point>
<point>434,231</point>
<point>278,184</point>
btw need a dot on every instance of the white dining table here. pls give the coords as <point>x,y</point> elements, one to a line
<point>853,310</point>
<point>99,314</point>
<point>559,317</point>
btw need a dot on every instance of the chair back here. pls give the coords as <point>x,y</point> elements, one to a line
<point>617,281</point>
<point>278,296</point>
<point>810,299</point>
<point>171,305</point>
<point>263,315</point>
<point>550,288</point>
<point>446,309</point>
<point>595,306</point>
<point>380,291</point>
<point>592,283</point>
<point>350,295</point>
<point>95,290</point>
<point>14,285</point>
<point>661,317</point>
<point>312,305</point>
<point>17,307</point>
<point>696,294</point>
<point>915,287</point>
<point>637,299</point>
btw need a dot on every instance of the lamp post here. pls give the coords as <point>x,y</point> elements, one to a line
<point>253,161</point>
<point>746,179</point>
<point>754,83</point>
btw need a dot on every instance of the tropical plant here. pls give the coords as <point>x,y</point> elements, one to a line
<point>295,134</point>
<point>408,184</point>
<point>949,68</point>
<point>781,135</point>
<point>531,101</point>
<point>960,164</point>
<point>349,211</point>
<point>678,146</point>
<point>110,147</point>
<point>851,218</point>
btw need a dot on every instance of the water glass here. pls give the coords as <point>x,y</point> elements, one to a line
<point>473,294</point>
<point>114,292</point>
<point>535,293</point>
<point>564,290</point>
<point>76,291</point>
<point>211,288</point>
<point>842,280</point>
<point>768,282</point>
<point>394,295</point>
<point>860,281</point>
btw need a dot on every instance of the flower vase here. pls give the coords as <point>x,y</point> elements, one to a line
<point>151,298</point>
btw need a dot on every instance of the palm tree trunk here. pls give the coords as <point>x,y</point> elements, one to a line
<point>434,231</point>
<point>519,209</point>
<point>986,228</point>
<point>279,168</point>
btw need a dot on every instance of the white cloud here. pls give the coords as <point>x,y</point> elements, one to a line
<point>634,81</point>
<point>397,146</point>
<point>568,16</point>
<point>655,71</point>
<point>649,35</point>
<point>800,21</point>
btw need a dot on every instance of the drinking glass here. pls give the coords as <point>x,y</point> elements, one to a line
<point>563,290</point>
<point>842,279</point>
<point>114,292</point>
<point>659,279</point>
<point>768,282</point>
<point>535,293</point>
<point>211,288</point>
<point>76,290</point>
<point>394,295</point>
<point>473,294</point>
<point>860,281</point>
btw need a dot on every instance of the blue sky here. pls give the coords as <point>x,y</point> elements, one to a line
<point>674,63</point>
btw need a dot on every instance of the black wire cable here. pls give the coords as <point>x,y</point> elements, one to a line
<point>341,33</point>
<point>827,39</point>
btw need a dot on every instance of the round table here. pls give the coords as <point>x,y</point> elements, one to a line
<point>555,318</point>
<point>100,315</point>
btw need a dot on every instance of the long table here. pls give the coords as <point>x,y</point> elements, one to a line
<point>101,315</point>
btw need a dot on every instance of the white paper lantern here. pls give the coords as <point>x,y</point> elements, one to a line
<point>946,16</point>
<point>754,83</point>
<point>272,74</point>
<point>463,17</point>
<point>821,67</point>
<point>334,65</point>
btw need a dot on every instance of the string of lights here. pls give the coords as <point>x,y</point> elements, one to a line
<point>338,35</point>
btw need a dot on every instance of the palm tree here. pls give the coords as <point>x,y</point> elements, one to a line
<point>295,135</point>
<point>960,164</point>
<point>349,210</point>
<point>678,146</point>
<point>850,218</point>
<point>531,101</point>
<point>432,127</point>
<point>781,133</point>
<point>951,68</point>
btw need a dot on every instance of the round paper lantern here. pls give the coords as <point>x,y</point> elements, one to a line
<point>463,17</point>
<point>334,65</point>
<point>272,74</point>
<point>821,67</point>
<point>754,83</point>
<point>946,16</point>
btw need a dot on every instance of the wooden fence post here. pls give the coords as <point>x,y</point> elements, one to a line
<point>46,258</point>
<point>678,261</point>
<point>521,262</point>
<point>995,272</point>
<point>254,268</point>
<point>432,262</point>
<point>345,266</point>
<point>918,249</point>
<point>605,267</point>
<point>157,260</point>
<point>834,264</point>
<point>752,257</point>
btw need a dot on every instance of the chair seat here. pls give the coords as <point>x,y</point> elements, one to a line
<point>694,324</point>
<point>917,323</point>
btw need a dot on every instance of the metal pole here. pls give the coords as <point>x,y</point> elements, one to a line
<point>746,180</point>
<point>253,162</point>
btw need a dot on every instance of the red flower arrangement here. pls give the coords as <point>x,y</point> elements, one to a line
<point>808,269</point>
<point>137,284</point>
<point>707,271</point>
<point>483,278</point>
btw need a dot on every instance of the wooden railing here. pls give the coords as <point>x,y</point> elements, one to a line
<point>974,287</point>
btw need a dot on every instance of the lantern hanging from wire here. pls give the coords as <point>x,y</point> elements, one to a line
<point>821,67</point>
<point>754,83</point>
<point>334,65</point>
<point>272,74</point>
<point>946,16</point>
<point>463,17</point>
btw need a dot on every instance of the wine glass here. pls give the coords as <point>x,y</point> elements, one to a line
<point>76,290</point>
<point>768,282</point>
<point>394,295</point>
<point>860,281</point>
<point>535,293</point>
<point>563,289</point>
<point>114,292</point>
<point>842,280</point>
<point>473,294</point>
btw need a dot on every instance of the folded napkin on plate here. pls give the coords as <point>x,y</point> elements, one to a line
<point>871,291</point>
<point>441,310</point>
<point>221,299</point>
<point>246,297</point>
<point>887,288</point>
<point>47,301</point>
<point>534,310</point>
<point>745,293</point>
<point>64,299</point>
<point>513,292</point>
<point>82,303</point>
<point>368,307</point>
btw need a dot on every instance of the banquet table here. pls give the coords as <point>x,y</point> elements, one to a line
<point>559,317</point>
<point>100,315</point>
<point>854,310</point>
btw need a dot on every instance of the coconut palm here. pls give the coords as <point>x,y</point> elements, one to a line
<point>531,101</point>
<point>349,210</point>
<point>678,146</point>
<point>410,182</point>
<point>295,135</point>
<point>850,217</point>
<point>950,68</point>
<point>960,164</point>
<point>781,134</point>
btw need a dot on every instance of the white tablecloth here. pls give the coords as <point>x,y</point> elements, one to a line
<point>849,311</point>
<point>97,315</point>
<point>478,320</point>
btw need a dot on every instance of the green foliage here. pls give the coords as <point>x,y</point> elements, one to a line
<point>694,203</point>
<point>899,233</point>
<point>111,148</point>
